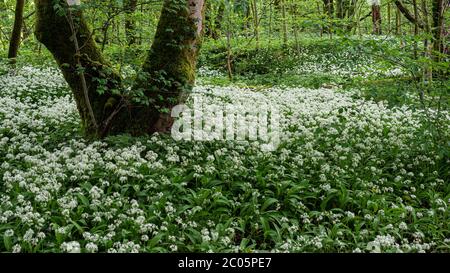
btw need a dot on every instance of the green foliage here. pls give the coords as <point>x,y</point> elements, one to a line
<point>343,180</point>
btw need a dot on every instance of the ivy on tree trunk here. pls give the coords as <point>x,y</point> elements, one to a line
<point>167,75</point>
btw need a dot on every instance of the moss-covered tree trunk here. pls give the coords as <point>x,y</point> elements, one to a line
<point>214,20</point>
<point>170,65</point>
<point>340,9</point>
<point>130,7</point>
<point>328,8</point>
<point>14,42</point>
<point>438,27</point>
<point>168,73</point>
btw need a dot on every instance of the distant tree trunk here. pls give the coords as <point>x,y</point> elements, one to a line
<point>167,73</point>
<point>218,21</point>
<point>351,14</point>
<point>329,12</point>
<point>294,25</point>
<point>389,18</point>
<point>398,22</point>
<point>270,22</point>
<point>130,7</point>
<point>340,9</point>
<point>407,13</point>
<point>214,21</point>
<point>285,30</point>
<point>321,26</point>
<point>17,31</point>
<point>427,71</point>
<point>416,27</point>
<point>229,53</point>
<point>376,17</point>
<point>254,6</point>
<point>329,8</point>
<point>247,17</point>
<point>438,27</point>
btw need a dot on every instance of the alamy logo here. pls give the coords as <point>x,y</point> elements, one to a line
<point>227,122</point>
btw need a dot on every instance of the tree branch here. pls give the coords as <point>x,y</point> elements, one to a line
<point>408,14</point>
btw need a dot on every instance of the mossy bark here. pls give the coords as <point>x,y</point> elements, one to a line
<point>169,68</point>
<point>53,30</point>
<point>130,7</point>
<point>438,27</point>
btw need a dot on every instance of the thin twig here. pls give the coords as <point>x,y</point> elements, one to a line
<point>81,73</point>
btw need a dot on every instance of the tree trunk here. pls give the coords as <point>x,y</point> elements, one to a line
<point>167,74</point>
<point>295,25</point>
<point>214,20</point>
<point>229,53</point>
<point>17,31</point>
<point>329,12</point>
<point>416,27</point>
<point>376,17</point>
<point>329,8</point>
<point>340,9</point>
<point>427,71</point>
<point>254,6</point>
<point>398,22</point>
<point>407,13</point>
<point>389,18</point>
<point>438,22</point>
<point>285,29</point>
<point>352,7</point>
<point>130,7</point>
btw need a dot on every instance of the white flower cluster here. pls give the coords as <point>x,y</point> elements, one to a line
<point>71,247</point>
<point>54,182</point>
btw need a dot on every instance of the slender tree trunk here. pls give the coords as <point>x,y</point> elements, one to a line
<point>351,14</point>
<point>256,22</point>
<point>218,21</point>
<point>321,26</point>
<point>329,8</point>
<point>427,72</point>
<point>167,74</point>
<point>398,22</point>
<point>17,31</point>
<point>214,19</point>
<point>438,23</point>
<point>246,21</point>
<point>329,11</point>
<point>294,25</point>
<point>407,13</point>
<point>285,30</point>
<point>130,23</point>
<point>229,53</point>
<point>389,18</point>
<point>416,27</point>
<point>340,9</point>
<point>270,22</point>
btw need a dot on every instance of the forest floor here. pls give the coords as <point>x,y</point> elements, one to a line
<point>361,166</point>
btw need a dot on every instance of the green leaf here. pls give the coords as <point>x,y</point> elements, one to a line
<point>7,242</point>
<point>79,228</point>
<point>155,240</point>
<point>268,203</point>
<point>83,199</point>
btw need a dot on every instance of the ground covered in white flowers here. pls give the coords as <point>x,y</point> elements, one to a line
<point>350,175</point>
